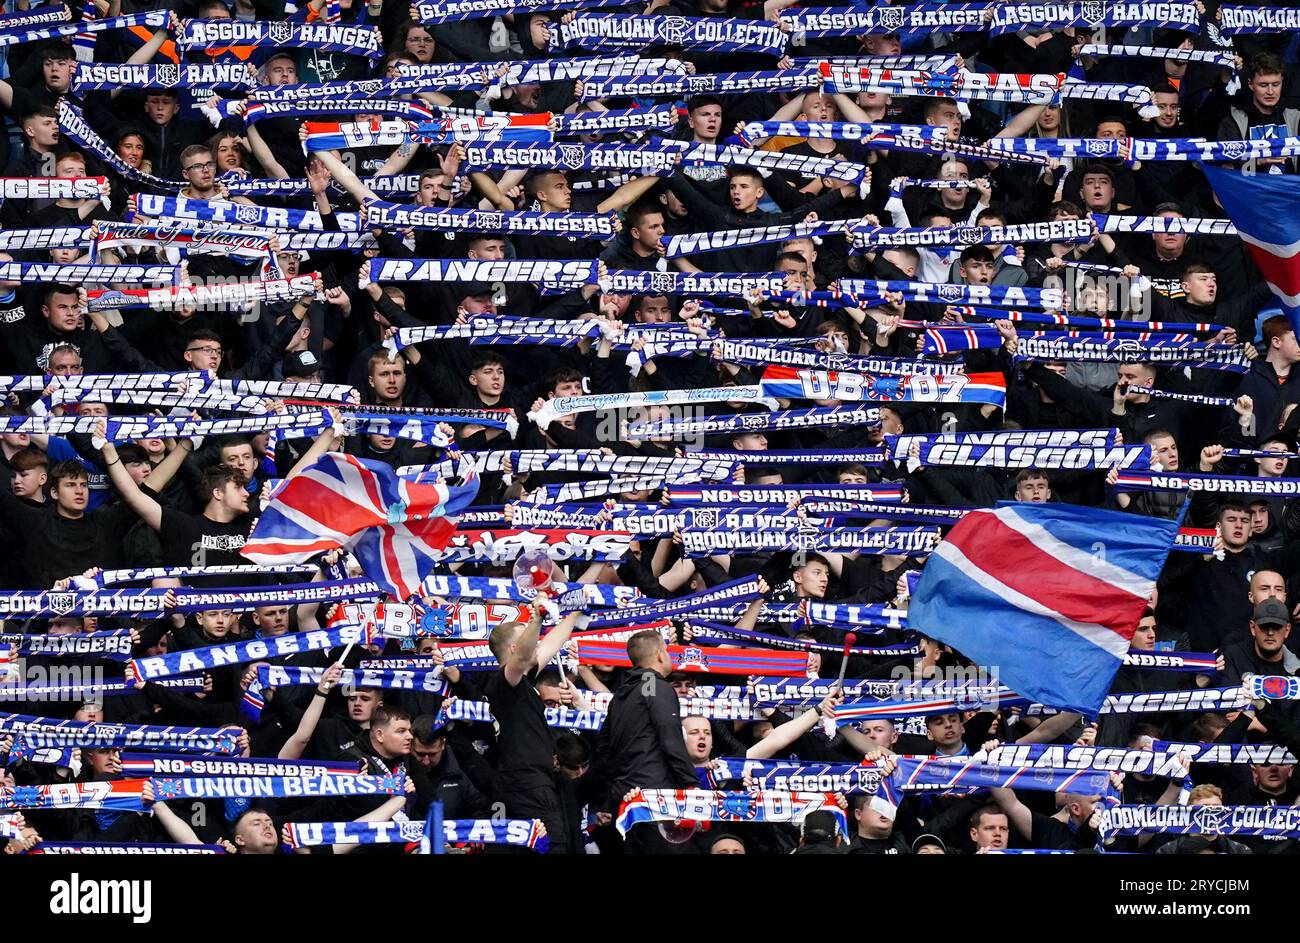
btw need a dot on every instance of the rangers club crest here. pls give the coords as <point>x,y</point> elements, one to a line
<point>247,214</point>
<point>698,83</point>
<point>950,293</point>
<point>279,31</point>
<point>1093,12</point>
<point>663,283</point>
<point>1234,150</point>
<point>674,30</point>
<point>969,235</point>
<point>572,156</point>
<point>167,75</point>
<point>890,18</point>
<point>1097,148</point>
<point>705,519</point>
<point>1210,819</point>
<point>492,222</point>
<point>61,603</point>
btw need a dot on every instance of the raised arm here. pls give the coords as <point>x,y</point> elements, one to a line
<point>524,658</point>
<point>340,172</point>
<point>170,465</point>
<point>294,746</point>
<point>149,510</point>
<point>324,442</point>
<point>1018,813</point>
<point>785,735</point>
<point>176,827</point>
<point>554,640</point>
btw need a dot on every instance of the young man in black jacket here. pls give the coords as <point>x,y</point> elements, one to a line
<point>642,738</point>
<point>526,768</point>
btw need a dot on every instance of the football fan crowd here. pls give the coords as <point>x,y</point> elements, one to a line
<point>926,307</point>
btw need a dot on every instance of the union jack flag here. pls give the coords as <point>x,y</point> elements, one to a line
<point>394,527</point>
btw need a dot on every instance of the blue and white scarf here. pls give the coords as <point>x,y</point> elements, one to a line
<point>1074,321</point>
<point>451,11</point>
<point>1060,230</point>
<point>1102,50</point>
<point>80,692</point>
<point>989,295</point>
<point>279,676</point>
<point>1161,760</point>
<point>812,417</point>
<point>736,591</point>
<point>236,653</point>
<point>73,124</point>
<point>755,131</point>
<point>1020,17</point>
<point>1234,20</point>
<point>736,155</point>
<point>687,244</point>
<point>70,273</point>
<point>266,217</point>
<point>533,71</point>
<point>1153,224</point>
<point>684,86</point>
<point>653,161</point>
<point>886,19</point>
<point>115,644</point>
<point>1257,820</point>
<point>1200,400</point>
<point>659,118</point>
<point>213,35</point>
<point>522,833</point>
<point>480,712</point>
<point>901,541</point>
<point>1046,346</point>
<point>1221,484</point>
<point>15,36</point>
<point>552,409</point>
<point>571,273</point>
<point>447,219</point>
<point>260,111</point>
<point>35,733</point>
<point>1027,89</point>
<point>106,76</point>
<point>1047,448</point>
<point>702,34</point>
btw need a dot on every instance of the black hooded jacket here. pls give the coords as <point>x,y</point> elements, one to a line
<point>642,740</point>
